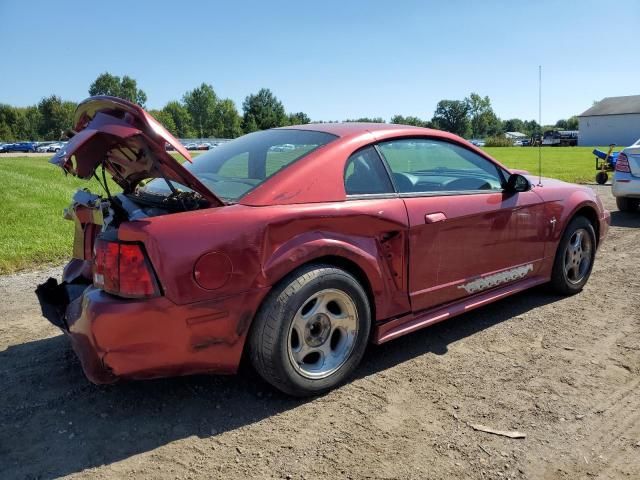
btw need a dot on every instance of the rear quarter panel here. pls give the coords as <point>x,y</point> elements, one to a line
<point>264,244</point>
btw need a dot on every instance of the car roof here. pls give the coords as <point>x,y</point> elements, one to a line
<point>348,129</point>
<point>319,175</point>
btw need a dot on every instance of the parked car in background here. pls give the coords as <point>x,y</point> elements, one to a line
<point>296,260</point>
<point>625,185</point>
<point>285,147</point>
<point>42,147</point>
<point>26,147</point>
<point>477,142</point>
<point>191,146</point>
<point>203,146</point>
<point>55,147</point>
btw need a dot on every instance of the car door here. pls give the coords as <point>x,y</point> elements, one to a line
<point>466,234</point>
<point>370,192</point>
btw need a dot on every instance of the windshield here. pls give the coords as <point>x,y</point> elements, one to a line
<point>232,169</point>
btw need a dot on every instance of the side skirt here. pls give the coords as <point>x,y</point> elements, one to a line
<point>412,322</point>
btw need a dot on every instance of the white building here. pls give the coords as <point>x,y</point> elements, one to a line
<point>515,135</point>
<point>611,120</point>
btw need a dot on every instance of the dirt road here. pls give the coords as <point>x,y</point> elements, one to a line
<point>564,371</point>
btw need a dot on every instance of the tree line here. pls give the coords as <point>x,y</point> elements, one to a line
<point>202,113</point>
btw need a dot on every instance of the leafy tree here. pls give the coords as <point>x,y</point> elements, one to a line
<point>299,118</point>
<point>561,124</point>
<point>181,119</point>
<point>573,123</point>
<point>166,120</point>
<point>410,120</point>
<point>249,124</point>
<point>366,120</point>
<point>265,109</point>
<point>452,116</point>
<point>125,87</point>
<point>514,125</point>
<point>28,121</point>
<point>493,125</point>
<point>228,123</point>
<point>532,127</point>
<point>105,84</point>
<point>201,104</point>
<point>482,118</point>
<point>56,117</point>
<point>129,90</point>
<point>8,118</point>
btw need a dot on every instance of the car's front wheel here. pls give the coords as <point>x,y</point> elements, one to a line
<point>574,257</point>
<point>312,331</point>
<point>626,204</point>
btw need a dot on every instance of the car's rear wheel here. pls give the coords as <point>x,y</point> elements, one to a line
<point>574,257</point>
<point>626,204</point>
<point>312,331</point>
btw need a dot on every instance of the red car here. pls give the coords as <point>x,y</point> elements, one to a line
<point>297,257</point>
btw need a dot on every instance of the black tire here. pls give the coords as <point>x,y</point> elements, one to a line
<point>271,333</point>
<point>601,178</point>
<point>626,204</point>
<point>561,281</point>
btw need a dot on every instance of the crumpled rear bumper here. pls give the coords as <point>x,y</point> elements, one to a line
<point>54,299</point>
<point>62,305</point>
<point>118,338</point>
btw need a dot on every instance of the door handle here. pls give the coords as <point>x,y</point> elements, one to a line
<point>434,217</point>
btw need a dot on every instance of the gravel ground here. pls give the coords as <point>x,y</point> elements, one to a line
<point>22,154</point>
<point>563,371</point>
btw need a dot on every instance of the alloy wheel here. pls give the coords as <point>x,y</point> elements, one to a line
<point>323,333</point>
<point>577,256</point>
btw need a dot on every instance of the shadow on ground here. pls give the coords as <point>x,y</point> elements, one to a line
<point>54,423</point>
<point>625,219</point>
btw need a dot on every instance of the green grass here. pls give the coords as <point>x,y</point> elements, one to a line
<point>32,198</point>
<point>572,164</point>
<point>34,193</point>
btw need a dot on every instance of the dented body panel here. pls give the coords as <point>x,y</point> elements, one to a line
<point>118,338</point>
<point>421,259</point>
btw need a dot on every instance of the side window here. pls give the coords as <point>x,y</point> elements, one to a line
<point>365,174</point>
<point>425,165</point>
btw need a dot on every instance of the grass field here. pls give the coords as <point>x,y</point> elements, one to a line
<point>34,193</point>
<point>572,164</point>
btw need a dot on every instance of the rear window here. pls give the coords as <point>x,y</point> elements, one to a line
<point>234,168</point>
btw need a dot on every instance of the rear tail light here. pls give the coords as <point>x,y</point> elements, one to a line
<point>123,269</point>
<point>622,163</point>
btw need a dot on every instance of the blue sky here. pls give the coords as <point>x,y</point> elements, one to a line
<point>331,59</point>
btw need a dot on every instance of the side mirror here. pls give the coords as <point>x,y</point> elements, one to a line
<point>517,183</point>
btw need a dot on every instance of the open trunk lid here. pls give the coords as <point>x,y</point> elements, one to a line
<point>129,143</point>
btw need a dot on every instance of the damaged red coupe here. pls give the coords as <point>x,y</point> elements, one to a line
<point>295,246</point>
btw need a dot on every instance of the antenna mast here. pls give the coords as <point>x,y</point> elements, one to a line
<point>540,124</point>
